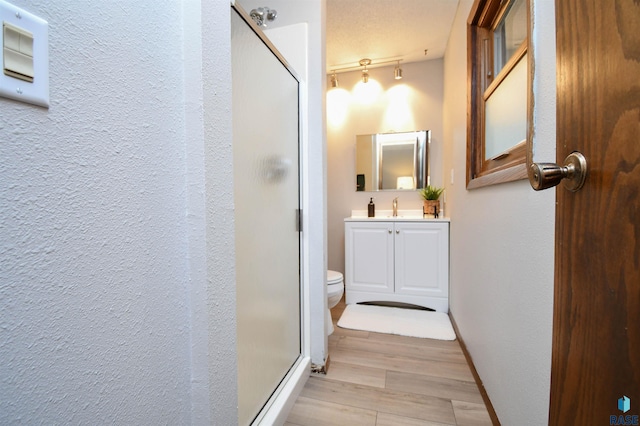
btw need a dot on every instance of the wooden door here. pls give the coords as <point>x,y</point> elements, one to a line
<point>596,334</point>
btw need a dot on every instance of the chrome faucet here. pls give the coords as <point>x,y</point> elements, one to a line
<point>395,207</point>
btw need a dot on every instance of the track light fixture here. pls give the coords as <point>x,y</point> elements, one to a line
<point>334,80</point>
<point>397,72</point>
<point>365,73</point>
<point>364,63</point>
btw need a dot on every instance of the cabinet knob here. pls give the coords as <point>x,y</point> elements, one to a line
<point>389,230</point>
<point>397,231</point>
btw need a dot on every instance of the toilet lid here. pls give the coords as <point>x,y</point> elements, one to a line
<point>333,277</point>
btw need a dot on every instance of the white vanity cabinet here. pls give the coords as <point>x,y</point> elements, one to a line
<point>397,261</point>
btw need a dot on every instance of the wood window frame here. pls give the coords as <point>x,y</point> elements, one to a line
<point>485,15</point>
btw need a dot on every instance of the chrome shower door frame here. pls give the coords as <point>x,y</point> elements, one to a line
<point>264,215</point>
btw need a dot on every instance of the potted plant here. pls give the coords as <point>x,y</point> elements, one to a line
<point>431,197</point>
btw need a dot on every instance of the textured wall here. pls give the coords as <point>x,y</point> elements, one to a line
<point>94,314</point>
<point>220,299</point>
<point>502,244</point>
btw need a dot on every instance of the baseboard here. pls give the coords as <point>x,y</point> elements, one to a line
<point>483,391</point>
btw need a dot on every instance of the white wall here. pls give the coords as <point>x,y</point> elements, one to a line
<point>413,103</point>
<point>117,296</point>
<point>211,180</point>
<point>502,244</point>
<point>94,286</point>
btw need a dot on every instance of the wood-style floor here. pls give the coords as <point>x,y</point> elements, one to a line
<point>387,380</point>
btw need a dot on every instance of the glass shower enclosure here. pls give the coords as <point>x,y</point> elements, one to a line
<point>267,201</point>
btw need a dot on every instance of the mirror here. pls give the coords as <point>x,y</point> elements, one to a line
<point>392,161</point>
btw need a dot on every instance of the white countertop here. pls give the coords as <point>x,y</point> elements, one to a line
<point>387,216</point>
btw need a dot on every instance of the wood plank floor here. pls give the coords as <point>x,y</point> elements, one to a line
<point>387,380</point>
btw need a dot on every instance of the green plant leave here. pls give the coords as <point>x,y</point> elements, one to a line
<point>431,192</point>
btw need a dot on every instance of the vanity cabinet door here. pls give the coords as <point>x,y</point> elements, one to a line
<point>369,256</point>
<point>422,259</point>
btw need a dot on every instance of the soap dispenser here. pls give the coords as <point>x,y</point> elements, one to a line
<point>372,208</point>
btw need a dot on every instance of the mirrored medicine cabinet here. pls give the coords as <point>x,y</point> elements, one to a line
<point>392,161</point>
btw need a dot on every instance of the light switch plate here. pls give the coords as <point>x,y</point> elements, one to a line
<point>36,92</point>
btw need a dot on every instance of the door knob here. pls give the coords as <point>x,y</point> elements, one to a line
<point>573,173</point>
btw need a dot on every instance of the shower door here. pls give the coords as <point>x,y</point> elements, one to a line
<point>266,197</point>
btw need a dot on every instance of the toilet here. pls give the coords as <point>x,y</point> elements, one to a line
<point>335,290</point>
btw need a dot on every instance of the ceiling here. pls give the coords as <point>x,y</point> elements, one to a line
<point>374,29</point>
<point>386,30</point>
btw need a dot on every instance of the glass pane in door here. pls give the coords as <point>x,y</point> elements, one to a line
<point>266,196</point>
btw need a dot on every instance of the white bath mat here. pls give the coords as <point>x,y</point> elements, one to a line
<point>404,322</point>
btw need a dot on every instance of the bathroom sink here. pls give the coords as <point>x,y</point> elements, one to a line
<point>407,216</point>
<point>388,214</point>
